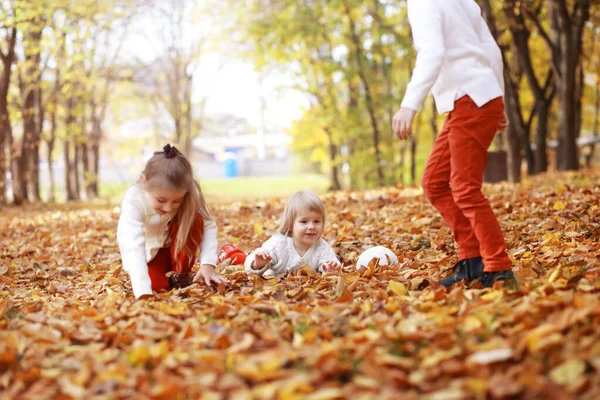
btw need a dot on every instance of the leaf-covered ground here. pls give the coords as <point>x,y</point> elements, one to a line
<point>70,328</point>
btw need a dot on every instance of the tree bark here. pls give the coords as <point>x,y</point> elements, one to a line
<point>433,119</point>
<point>70,165</point>
<point>413,160</point>
<point>541,155</point>
<point>35,167</point>
<point>368,94</point>
<point>5,124</point>
<point>76,167</point>
<point>516,133</point>
<point>565,44</point>
<point>334,169</point>
<point>515,15</point>
<point>589,157</point>
<point>50,146</point>
<point>95,168</point>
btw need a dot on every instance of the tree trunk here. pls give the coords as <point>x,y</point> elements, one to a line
<point>95,167</point>
<point>541,156</point>
<point>589,157</point>
<point>567,158</point>
<point>51,183</point>
<point>69,183</point>
<point>565,45</point>
<point>334,169</point>
<point>5,125</point>
<point>188,116</point>
<point>368,96</point>
<point>516,132</point>
<point>35,171</point>
<point>31,90</point>
<point>432,119</point>
<point>538,161</point>
<point>50,142</point>
<point>413,160</point>
<point>94,151</point>
<point>87,173</point>
<point>25,159</point>
<point>20,153</point>
<point>76,167</point>
<point>70,166</point>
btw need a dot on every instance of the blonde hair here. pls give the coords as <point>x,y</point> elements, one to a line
<point>299,201</point>
<point>170,167</point>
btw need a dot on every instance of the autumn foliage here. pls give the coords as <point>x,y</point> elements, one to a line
<point>70,327</point>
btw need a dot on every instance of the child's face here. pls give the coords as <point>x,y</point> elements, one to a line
<point>308,227</point>
<point>166,200</point>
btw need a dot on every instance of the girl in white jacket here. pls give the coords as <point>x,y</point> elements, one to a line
<point>297,241</point>
<point>164,222</point>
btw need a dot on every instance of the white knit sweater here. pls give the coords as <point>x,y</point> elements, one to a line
<point>456,53</point>
<point>141,232</point>
<point>286,259</point>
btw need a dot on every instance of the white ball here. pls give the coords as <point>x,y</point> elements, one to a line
<point>385,256</point>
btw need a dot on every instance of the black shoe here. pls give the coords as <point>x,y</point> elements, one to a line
<point>489,278</point>
<point>469,270</point>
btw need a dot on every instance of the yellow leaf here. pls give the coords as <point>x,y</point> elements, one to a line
<point>541,337</point>
<point>496,295</point>
<point>217,299</point>
<point>160,350</point>
<point>180,310</point>
<point>258,229</point>
<point>568,372</point>
<point>391,306</point>
<point>326,394</point>
<point>472,323</point>
<point>398,288</point>
<point>559,205</point>
<point>555,274</point>
<point>366,306</point>
<point>139,356</point>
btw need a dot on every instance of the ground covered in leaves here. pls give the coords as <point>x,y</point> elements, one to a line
<point>70,327</point>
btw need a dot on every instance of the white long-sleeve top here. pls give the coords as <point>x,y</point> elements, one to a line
<point>286,259</point>
<point>141,232</point>
<point>456,54</point>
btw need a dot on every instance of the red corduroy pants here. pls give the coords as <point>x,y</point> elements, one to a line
<point>454,175</point>
<point>166,260</point>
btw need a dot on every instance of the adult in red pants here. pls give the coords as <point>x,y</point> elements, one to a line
<point>460,62</point>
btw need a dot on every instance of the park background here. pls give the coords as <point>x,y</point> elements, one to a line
<point>266,97</point>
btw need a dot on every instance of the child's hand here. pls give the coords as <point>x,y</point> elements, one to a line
<point>208,273</point>
<point>261,258</point>
<point>330,266</point>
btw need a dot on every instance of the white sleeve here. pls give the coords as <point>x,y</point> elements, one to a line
<point>208,247</point>
<point>326,254</point>
<point>427,31</point>
<point>492,50</point>
<point>132,244</point>
<point>272,245</point>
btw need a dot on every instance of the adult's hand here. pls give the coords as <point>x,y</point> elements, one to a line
<point>402,123</point>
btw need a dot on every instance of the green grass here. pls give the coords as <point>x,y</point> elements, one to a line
<point>263,187</point>
<point>243,188</point>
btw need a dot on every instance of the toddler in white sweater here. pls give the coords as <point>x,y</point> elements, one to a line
<point>297,241</point>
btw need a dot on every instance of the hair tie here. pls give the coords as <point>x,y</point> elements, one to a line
<point>170,151</point>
